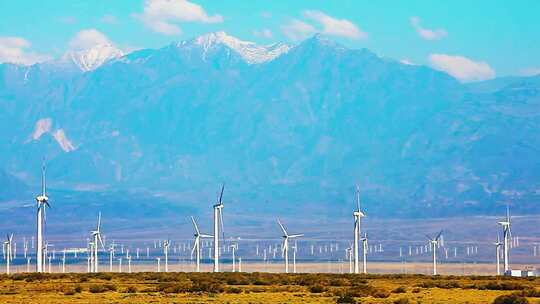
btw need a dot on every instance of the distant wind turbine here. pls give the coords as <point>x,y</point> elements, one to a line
<point>9,251</point>
<point>506,238</point>
<point>434,242</point>
<point>285,246</point>
<point>96,234</point>
<point>358,214</point>
<point>42,201</point>
<point>218,219</point>
<point>197,244</point>
<point>498,245</point>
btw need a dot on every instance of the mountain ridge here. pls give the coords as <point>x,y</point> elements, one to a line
<point>303,127</point>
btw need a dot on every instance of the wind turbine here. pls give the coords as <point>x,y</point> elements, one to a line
<point>9,256</point>
<point>434,242</point>
<point>111,256</point>
<point>234,247</point>
<point>364,252</point>
<point>166,245</point>
<point>348,255</point>
<point>218,218</point>
<point>285,246</point>
<point>506,237</point>
<point>197,244</point>
<point>498,245</point>
<point>42,201</point>
<point>358,214</point>
<point>96,234</point>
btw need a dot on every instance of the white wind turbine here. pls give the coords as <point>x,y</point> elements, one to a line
<point>285,246</point>
<point>42,201</point>
<point>197,244</point>
<point>111,256</point>
<point>506,238</point>
<point>96,234</point>
<point>234,247</point>
<point>358,214</point>
<point>218,218</point>
<point>434,242</point>
<point>9,251</point>
<point>498,245</point>
<point>364,252</point>
<point>166,245</point>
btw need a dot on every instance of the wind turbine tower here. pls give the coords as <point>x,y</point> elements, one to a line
<point>364,253</point>
<point>506,238</point>
<point>197,244</point>
<point>218,218</point>
<point>358,214</point>
<point>96,234</point>
<point>498,245</point>
<point>285,246</point>
<point>434,242</point>
<point>42,201</point>
<point>9,251</point>
<point>166,245</point>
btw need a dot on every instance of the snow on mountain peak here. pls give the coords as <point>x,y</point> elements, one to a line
<point>251,52</point>
<point>92,58</point>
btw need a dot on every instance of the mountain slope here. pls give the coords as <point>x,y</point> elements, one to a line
<point>298,130</point>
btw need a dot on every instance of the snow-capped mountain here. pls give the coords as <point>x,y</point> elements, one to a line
<point>251,52</point>
<point>92,58</point>
<point>297,127</point>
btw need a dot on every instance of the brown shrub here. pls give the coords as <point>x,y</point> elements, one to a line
<point>400,289</point>
<point>510,299</point>
<point>401,301</point>
<point>318,288</point>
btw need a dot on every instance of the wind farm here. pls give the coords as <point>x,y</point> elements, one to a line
<point>196,151</point>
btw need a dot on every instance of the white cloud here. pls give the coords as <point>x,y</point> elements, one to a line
<point>15,50</point>
<point>109,19</point>
<point>162,16</point>
<point>297,30</point>
<point>530,72</point>
<point>336,27</point>
<point>462,68</point>
<point>264,33</point>
<point>62,140</point>
<point>427,34</point>
<point>42,126</point>
<point>406,61</point>
<point>88,38</point>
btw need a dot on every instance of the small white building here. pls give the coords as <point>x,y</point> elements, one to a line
<point>520,273</point>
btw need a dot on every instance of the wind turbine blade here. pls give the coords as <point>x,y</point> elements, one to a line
<point>194,245</point>
<point>221,194</point>
<point>438,236</point>
<point>282,228</point>
<point>221,221</point>
<point>195,226</point>
<point>98,222</point>
<point>358,198</point>
<point>428,237</point>
<point>296,235</point>
<point>100,241</point>
<point>43,190</point>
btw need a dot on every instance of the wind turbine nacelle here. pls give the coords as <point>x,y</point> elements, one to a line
<point>358,213</point>
<point>503,223</point>
<point>42,198</point>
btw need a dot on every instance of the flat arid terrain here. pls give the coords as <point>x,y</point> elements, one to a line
<point>147,287</point>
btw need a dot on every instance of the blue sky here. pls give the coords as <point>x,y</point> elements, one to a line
<point>472,40</point>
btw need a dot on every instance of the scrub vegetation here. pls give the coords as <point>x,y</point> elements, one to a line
<point>264,288</point>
